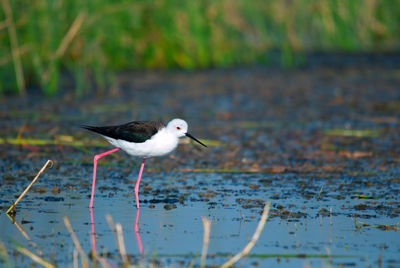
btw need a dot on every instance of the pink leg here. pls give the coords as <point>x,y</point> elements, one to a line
<point>97,157</point>
<point>138,182</point>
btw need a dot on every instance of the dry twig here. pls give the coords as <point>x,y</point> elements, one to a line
<point>112,227</point>
<point>119,239</point>
<point>206,241</point>
<point>84,260</point>
<point>29,186</point>
<point>35,258</point>
<point>121,244</point>
<point>253,240</point>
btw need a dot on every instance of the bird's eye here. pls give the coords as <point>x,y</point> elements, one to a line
<point>178,128</point>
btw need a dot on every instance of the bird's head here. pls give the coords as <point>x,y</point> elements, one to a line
<point>180,128</point>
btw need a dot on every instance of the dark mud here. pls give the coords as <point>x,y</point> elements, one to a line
<point>322,143</point>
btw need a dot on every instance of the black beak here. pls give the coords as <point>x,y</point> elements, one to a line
<point>193,138</point>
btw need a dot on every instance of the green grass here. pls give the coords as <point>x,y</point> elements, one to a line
<point>359,133</point>
<point>91,40</point>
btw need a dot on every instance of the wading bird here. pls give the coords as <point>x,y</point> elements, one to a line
<point>143,139</point>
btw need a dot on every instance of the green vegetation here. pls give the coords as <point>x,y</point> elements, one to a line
<point>89,40</point>
<point>359,133</point>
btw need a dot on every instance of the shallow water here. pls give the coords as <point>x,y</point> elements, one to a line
<point>321,144</point>
<point>305,225</point>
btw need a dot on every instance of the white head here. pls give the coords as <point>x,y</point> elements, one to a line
<point>179,127</point>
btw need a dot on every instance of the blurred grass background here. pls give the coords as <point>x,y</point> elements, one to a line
<point>44,42</point>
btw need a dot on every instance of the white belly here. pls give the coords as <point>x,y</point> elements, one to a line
<point>160,144</point>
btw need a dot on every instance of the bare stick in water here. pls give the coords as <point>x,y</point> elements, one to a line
<point>121,244</point>
<point>84,260</point>
<point>119,238</point>
<point>35,257</point>
<point>253,240</point>
<point>29,186</point>
<point>206,241</point>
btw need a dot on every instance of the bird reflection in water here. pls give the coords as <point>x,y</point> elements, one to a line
<point>136,228</point>
<point>139,241</point>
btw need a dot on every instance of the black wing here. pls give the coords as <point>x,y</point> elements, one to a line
<point>136,131</point>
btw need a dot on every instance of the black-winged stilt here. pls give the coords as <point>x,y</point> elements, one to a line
<point>143,139</point>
